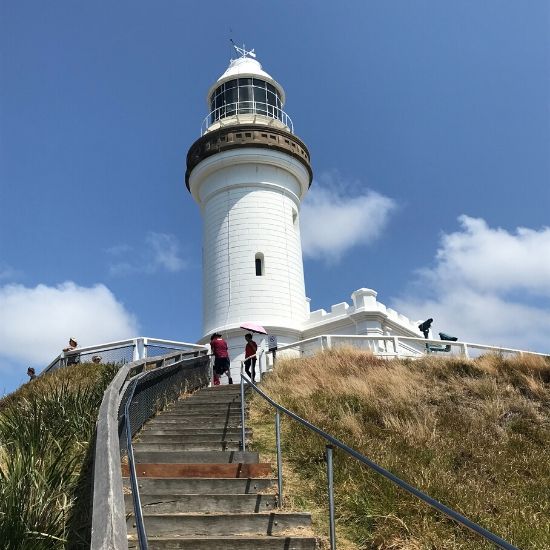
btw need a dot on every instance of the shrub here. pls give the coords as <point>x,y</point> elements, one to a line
<point>46,438</point>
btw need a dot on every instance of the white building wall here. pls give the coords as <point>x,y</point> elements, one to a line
<point>251,205</point>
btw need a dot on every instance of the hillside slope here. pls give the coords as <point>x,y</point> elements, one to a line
<point>46,446</point>
<point>473,434</point>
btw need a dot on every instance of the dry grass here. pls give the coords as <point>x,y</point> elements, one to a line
<point>473,434</point>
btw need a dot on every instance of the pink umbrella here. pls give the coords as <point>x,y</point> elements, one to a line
<point>252,327</point>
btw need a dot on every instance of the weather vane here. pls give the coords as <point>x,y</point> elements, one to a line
<point>243,51</point>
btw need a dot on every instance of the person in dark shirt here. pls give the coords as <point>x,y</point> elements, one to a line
<point>221,358</point>
<point>31,373</point>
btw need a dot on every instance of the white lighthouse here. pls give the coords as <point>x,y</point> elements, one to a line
<point>249,173</point>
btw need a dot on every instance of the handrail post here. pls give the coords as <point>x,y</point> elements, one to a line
<point>330,486</point>
<point>211,371</point>
<point>279,457</point>
<point>243,427</point>
<point>396,345</point>
<point>465,351</point>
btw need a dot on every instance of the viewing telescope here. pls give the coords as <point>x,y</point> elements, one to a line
<point>425,329</point>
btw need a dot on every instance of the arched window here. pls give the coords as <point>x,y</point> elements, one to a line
<point>259,262</point>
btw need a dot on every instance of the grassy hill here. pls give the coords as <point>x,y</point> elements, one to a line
<point>474,434</point>
<point>46,446</point>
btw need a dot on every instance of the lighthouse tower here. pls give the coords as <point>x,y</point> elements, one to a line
<point>249,172</point>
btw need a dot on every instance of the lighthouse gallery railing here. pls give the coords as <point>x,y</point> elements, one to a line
<point>248,108</point>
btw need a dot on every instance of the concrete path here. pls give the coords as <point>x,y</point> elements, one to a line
<point>200,491</point>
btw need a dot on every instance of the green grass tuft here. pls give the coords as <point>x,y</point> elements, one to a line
<point>46,439</point>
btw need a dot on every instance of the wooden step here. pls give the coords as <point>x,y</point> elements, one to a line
<point>202,503</point>
<point>206,421</point>
<point>207,401</point>
<point>222,446</point>
<point>194,457</point>
<point>206,485</point>
<point>231,470</point>
<point>175,429</point>
<point>145,437</point>
<point>262,523</point>
<point>239,542</point>
<point>198,413</point>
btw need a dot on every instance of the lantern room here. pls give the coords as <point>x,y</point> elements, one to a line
<point>246,94</point>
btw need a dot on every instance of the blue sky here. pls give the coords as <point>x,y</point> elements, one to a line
<point>428,125</point>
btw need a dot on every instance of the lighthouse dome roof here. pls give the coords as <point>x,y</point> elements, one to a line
<point>246,67</point>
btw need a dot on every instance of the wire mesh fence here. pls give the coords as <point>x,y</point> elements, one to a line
<point>118,355</point>
<point>154,350</point>
<point>57,363</point>
<point>160,386</point>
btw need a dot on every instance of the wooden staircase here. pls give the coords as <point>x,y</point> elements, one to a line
<point>200,491</point>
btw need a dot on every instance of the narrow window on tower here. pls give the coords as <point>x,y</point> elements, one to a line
<point>259,261</point>
<point>294,218</point>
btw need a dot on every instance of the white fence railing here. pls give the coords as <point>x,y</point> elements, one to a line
<point>121,351</point>
<point>133,349</point>
<point>393,346</point>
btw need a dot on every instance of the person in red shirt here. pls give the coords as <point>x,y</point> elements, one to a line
<point>250,356</point>
<point>221,358</point>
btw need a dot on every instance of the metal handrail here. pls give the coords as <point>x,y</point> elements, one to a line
<point>452,514</point>
<point>254,108</point>
<point>138,512</point>
<point>108,518</point>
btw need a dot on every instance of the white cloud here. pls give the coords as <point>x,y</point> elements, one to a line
<point>35,323</point>
<point>488,285</point>
<point>495,260</point>
<point>160,252</point>
<point>119,249</point>
<point>336,216</point>
<point>165,251</point>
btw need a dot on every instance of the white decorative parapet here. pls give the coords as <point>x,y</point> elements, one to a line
<point>365,298</point>
<point>364,316</point>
